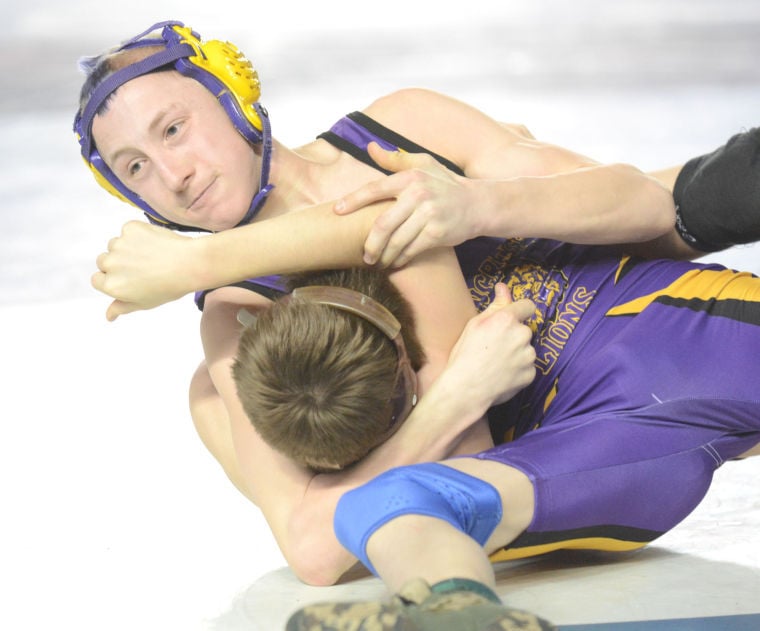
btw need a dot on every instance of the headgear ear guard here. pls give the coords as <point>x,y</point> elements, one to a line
<point>220,67</point>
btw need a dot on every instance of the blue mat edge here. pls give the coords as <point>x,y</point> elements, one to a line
<point>745,622</point>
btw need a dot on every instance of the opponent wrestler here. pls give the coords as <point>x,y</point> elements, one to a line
<point>596,434</point>
<point>617,416</point>
<point>149,160</point>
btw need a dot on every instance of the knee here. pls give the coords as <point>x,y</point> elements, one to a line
<point>468,503</point>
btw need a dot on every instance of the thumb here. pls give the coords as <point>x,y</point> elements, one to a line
<point>523,309</point>
<point>117,308</point>
<point>392,160</point>
<point>502,295</point>
<point>112,312</point>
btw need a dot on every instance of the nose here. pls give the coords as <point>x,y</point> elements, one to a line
<point>175,170</point>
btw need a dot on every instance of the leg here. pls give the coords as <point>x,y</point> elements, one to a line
<point>755,451</point>
<point>422,538</point>
<point>431,549</point>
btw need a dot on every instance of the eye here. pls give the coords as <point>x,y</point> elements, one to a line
<point>134,168</point>
<point>173,129</point>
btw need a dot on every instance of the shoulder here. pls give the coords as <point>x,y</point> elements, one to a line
<point>219,323</point>
<point>234,296</point>
<point>415,107</point>
<point>407,108</point>
<point>406,97</point>
<point>446,125</point>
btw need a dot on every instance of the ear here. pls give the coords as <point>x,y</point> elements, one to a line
<point>245,317</point>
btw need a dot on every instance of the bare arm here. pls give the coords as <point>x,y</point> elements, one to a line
<point>669,244</point>
<point>491,358</point>
<point>514,185</point>
<point>299,506</point>
<point>148,266</point>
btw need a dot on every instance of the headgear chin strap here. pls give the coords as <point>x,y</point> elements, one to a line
<point>220,67</point>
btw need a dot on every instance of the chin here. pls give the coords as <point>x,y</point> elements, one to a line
<point>222,224</point>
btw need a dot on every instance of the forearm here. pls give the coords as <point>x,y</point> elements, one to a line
<point>603,204</point>
<point>667,177</point>
<point>492,359</point>
<point>310,239</point>
<point>439,422</point>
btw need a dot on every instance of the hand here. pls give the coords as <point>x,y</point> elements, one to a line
<point>493,359</point>
<point>433,207</point>
<point>143,268</point>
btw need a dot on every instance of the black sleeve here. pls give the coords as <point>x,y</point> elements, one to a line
<point>717,195</point>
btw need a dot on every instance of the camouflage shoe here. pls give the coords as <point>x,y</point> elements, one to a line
<point>417,608</point>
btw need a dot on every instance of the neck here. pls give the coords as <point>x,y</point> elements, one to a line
<point>295,182</point>
<point>312,174</point>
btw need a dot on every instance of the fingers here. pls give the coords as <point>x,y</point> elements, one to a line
<point>117,307</point>
<point>523,309</point>
<point>390,233</point>
<point>404,229</point>
<point>376,190</point>
<point>370,193</point>
<point>97,280</point>
<point>383,188</point>
<point>101,261</point>
<point>403,247</point>
<point>405,243</point>
<point>113,246</point>
<point>393,258</point>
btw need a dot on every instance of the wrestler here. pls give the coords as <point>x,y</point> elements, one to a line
<point>175,154</point>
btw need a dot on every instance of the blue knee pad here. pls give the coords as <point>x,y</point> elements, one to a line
<point>468,503</point>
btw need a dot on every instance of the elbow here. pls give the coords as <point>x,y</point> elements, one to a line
<point>315,565</point>
<point>652,204</point>
<point>316,574</point>
<point>310,546</point>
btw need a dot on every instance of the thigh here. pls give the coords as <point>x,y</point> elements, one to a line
<point>616,481</point>
<point>661,393</point>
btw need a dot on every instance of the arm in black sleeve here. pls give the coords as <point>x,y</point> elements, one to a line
<point>717,195</point>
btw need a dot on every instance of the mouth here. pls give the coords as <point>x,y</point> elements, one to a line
<point>198,200</point>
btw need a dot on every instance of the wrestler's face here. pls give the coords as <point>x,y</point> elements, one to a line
<point>167,139</point>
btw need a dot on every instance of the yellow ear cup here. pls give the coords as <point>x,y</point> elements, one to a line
<point>224,61</point>
<point>101,179</point>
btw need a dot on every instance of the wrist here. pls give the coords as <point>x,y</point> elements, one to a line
<point>200,266</point>
<point>494,200</point>
<point>445,402</point>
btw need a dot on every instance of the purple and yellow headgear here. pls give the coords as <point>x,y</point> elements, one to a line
<point>219,66</point>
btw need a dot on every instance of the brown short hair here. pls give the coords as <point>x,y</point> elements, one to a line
<point>317,382</point>
<point>98,68</point>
